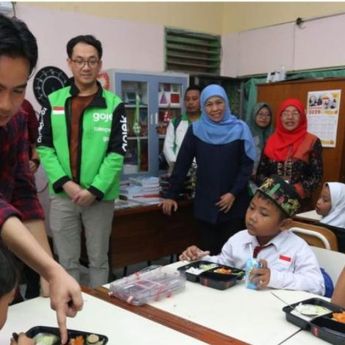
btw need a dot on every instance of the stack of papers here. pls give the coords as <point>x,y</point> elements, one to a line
<point>141,189</point>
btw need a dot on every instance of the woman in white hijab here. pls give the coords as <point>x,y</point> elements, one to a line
<point>331,204</point>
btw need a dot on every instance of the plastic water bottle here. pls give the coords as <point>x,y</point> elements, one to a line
<point>250,265</point>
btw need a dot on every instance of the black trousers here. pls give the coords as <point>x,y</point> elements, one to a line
<point>214,236</point>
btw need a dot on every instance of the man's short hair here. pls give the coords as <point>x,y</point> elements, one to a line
<point>192,88</point>
<point>16,40</point>
<point>87,39</point>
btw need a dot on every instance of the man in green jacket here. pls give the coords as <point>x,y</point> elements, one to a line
<point>82,142</point>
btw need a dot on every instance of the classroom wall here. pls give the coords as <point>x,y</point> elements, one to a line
<point>243,16</point>
<point>126,45</point>
<point>317,43</point>
<point>133,33</point>
<point>197,16</point>
<point>212,17</point>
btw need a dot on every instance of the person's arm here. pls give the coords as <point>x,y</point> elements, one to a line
<point>111,167</point>
<point>169,143</point>
<point>34,162</point>
<point>65,292</point>
<point>226,256</point>
<point>38,231</point>
<point>338,296</point>
<point>312,177</point>
<point>32,125</point>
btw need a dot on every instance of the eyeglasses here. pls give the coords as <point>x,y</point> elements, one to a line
<point>263,114</point>
<point>93,62</point>
<point>293,114</point>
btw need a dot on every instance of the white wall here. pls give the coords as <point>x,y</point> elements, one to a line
<point>134,45</point>
<point>126,45</point>
<point>316,44</point>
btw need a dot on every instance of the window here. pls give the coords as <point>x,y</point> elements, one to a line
<point>192,52</point>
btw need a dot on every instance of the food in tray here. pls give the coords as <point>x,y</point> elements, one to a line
<point>201,268</point>
<point>339,317</point>
<point>46,339</point>
<point>79,340</point>
<point>223,270</point>
<point>52,339</point>
<point>311,309</point>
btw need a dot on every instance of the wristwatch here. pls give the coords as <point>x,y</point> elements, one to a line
<point>47,80</point>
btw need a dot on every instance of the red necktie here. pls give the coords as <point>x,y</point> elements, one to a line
<point>258,249</point>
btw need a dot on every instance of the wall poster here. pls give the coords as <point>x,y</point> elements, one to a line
<point>322,113</point>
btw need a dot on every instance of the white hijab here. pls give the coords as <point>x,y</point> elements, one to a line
<point>336,216</point>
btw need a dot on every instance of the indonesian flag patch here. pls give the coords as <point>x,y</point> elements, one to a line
<point>58,111</point>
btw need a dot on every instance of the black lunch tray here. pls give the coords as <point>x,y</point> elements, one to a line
<point>210,278</point>
<point>329,330</point>
<point>304,323</point>
<point>71,333</point>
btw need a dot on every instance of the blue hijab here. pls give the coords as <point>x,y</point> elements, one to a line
<point>227,130</point>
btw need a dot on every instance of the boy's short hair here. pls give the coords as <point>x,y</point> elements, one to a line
<point>87,39</point>
<point>9,274</point>
<point>281,193</point>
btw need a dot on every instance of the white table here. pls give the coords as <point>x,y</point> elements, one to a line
<point>309,215</point>
<point>252,316</point>
<point>304,338</point>
<point>119,325</point>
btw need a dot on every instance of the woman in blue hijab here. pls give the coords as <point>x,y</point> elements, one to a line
<point>225,152</point>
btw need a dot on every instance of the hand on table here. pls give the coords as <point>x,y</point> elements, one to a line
<point>168,205</point>
<point>193,253</point>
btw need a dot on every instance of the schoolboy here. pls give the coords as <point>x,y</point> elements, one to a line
<point>287,261</point>
<point>18,197</point>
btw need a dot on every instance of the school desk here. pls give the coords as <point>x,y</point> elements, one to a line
<point>121,326</point>
<point>249,316</point>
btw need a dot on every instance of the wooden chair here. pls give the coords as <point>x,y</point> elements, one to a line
<point>315,235</point>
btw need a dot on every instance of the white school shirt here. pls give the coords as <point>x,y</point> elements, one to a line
<point>292,263</point>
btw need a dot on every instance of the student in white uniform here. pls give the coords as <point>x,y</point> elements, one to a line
<point>286,260</point>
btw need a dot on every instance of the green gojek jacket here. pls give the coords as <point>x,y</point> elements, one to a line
<point>103,142</point>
